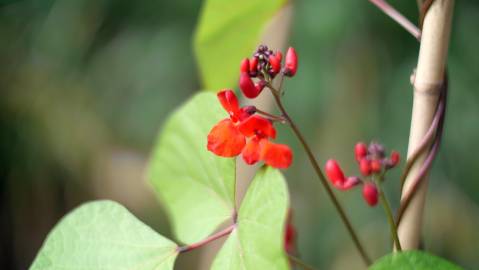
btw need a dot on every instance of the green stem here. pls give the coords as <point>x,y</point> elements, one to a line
<point>389,216</point>
<point>321,177</point>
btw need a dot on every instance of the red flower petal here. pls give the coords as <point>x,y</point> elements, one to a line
<point>256,125</point>
<point>253,64</point>
<point>247,86</point>
<point>225,139</point>
<point>275,63</point>
<point>350,182</point>
<point>229,101</point>
<point>276,155</point>
<point>279,56</point>
<point>246,112</point>
<point>244,65</point>
<point>251,152</point>
<point>334,172</point>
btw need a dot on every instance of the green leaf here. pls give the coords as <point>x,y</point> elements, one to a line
<point>104,235</point>
<point>196,187</point>
<point>412,260</point>
<point>227,32</point>
<point>257,241</point>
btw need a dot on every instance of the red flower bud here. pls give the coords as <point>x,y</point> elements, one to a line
<point>275,64</point>
<point>334,172</point>
<point>291,63</point>
<point>279,56</point>
<point>245,65</point>
<point>289,238</point>
<point>370,194</point>
<point>360,151</point>
<point>365,167</point>
<point>253,64</point>
<point>247,86</point>
<point>376,166</point>
<point>394,158</point>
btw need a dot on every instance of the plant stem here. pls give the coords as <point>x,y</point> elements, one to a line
<point>321,177</point>
<point>397,17</point>
<point>389,215</point>
<point>299,262</point>
<point>205,241</point>
<point>271,116</point>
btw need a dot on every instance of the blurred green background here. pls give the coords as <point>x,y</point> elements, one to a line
<point>86,84</point>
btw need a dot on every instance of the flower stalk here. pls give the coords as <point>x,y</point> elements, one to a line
<point>389,214</point>
<point>344,218</point>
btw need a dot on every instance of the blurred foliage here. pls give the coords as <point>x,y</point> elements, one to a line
<point>226,32</point>
<point>412,260</point>
<point>207,182</point>
<point>85,85</point>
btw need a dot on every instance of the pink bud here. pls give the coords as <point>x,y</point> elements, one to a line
<point>334,172</point>
<point>370,194</point>
<point>291,62</point>
<point>360,151</point>
<point>365,167</point>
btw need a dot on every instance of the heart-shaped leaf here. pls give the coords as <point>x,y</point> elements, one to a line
<point>227,32</point>
<point>196,187</point>
<point>257,240</point>
<point>412,260</point>
<point>104,235</point>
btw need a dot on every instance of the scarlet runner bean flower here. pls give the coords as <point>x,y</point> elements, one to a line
<point>372,162</point>
<point>247,134</point>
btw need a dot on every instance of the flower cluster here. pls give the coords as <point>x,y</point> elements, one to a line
<point>372,163</point>
<point>265,65</point>
<point>246,132</point>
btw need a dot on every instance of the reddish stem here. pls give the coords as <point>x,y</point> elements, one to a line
<point>205,241</point>
<point>440,115</point>
<point>398,17</point>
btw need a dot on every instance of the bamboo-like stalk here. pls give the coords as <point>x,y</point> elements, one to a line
<point>427,85</point>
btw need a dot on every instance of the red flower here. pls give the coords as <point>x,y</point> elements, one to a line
<point>246,134</point>
<point>225,139</point>
<point>334,172</point>
<point>336,175</point>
